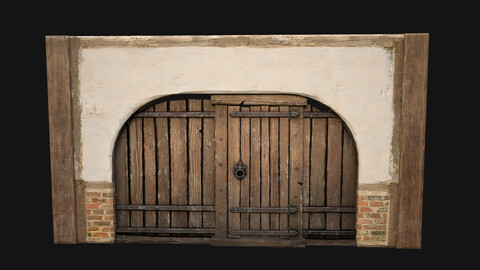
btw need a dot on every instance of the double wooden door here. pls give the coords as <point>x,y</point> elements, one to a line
<point>235,169</point>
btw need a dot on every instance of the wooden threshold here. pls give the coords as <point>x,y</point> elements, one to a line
<point>190,208</point>
<point>328,233</point>
<point>165,230</point>
<point>258,242</point>
<point>331,242</point>
<point>161,240</point>
<point>262,233</point>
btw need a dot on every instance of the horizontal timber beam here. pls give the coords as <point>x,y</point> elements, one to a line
<point>328,209</point>
<point>141,207</point>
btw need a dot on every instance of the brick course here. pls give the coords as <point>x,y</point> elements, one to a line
<point>100,215</point>
<point>372,219</point>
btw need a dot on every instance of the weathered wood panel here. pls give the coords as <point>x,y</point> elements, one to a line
<point>334,171</point>
<point>195,163</point>
<point>317,171</point>
<point>121,178</point>
<point>349,180</point>
<point>135,133</point>
<point>221,170</point>
<point>150,168</point>
<point>274,170</point>
<point>255,168</point>
<point>233,158</point>
<point>265,169</point>
<point>178,163</point>
<point>208,179</point>
<point>259,100</point>
<point>61,139</point>
<point>412,141</point>
<point>245,157</point>
<point>284,152</point>
<point>163,165</point>
<point>306,165</point>
<point>296,171</point>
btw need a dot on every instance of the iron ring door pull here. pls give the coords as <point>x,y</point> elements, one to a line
<point>239,170</point>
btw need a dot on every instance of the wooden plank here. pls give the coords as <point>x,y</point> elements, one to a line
<point>306,165</point>
<point>163,165</point>
<point>263,233</point>
<point>166,230</point>
<point>329,209</point>
<point>270,114</point>
<point>161,240</point>
<point>145,207</point>
<point>221,169</point>
<point>296,171</point>
<point>265,169</point>
<point>150,168</point>
<point>334,171</point>
<point>178,163</point>
<point>412,141</point>
<point>319,114</point>
<point>284,149</point>
<point>274,169</point>
<point>121,178</point>
<point>259,242</point>
<point>190,114</point>
<point>245,157</point>
<point>61,139</point>
<point>317,170</point>
<point>255,171</point>
<point>233,158</point>
<point>349,180</point>
<point>329,233</point>
<point>208,179</point>
<point>289,210</point>
<point>195,163</point>
<point>135,133</point>
<point>331,242</point>
<point>259,100</point>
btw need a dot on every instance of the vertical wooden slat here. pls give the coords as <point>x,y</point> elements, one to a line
<point>296,171</point>
<point>233,158</point>
<point>208,177</point>
<point>265,170</point>
<point>163,165</point>
<point>121,178</point>
<point>221,168</point>
<point>349,180</point>
<point>178,163</point>
<point>136,169</point>
<point>61,139</point>
<point>255,184</point>
<point>195,163</point>
<point>274,174</point>
<point>334,171</point>
<point>317,170</point>
<point>150,168</point>
<point>412,141</point>
<point>306,166</point>
<point>284,162</point>
<point>245,157</point>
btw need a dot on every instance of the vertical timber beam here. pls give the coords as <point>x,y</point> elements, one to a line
<point>412,141</point>
<point>61,139</point>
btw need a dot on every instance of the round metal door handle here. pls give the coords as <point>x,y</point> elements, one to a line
<point>239,170</point>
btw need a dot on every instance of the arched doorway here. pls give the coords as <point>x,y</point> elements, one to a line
<point>235,170</point>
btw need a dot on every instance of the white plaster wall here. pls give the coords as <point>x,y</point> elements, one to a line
<point>356,82</point>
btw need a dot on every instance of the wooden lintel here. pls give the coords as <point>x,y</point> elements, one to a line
<point>286,100</point>
<point>191,208</point>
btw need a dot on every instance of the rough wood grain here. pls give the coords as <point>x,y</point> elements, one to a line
<point>306,165</point>
<point>221,169</point>
<point>61,139</point>
<point>265,170</point>
<point>150,168</point>
<point>233,158</point>
<point>412,141</point>
<point>284,150</point>
<point>274,170</point>
<point>334,171</point>
<point>349,180</point>
<point>208,178</point>
<point>195,163</point>
<point>296,171</point>
<point>178,163</point>
<point>163,165</point>
<point>136,169</point>
<point>245,157</point>
<point>259,100</point>
<point>121,178</point>
<point>317,171</point>
<point>255,168</point>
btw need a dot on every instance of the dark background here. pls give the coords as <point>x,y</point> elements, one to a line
<point>449,227</point>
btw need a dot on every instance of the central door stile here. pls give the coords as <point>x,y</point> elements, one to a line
<point>221,170</point>
<point>296,172</point>
<point>233,158</point>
